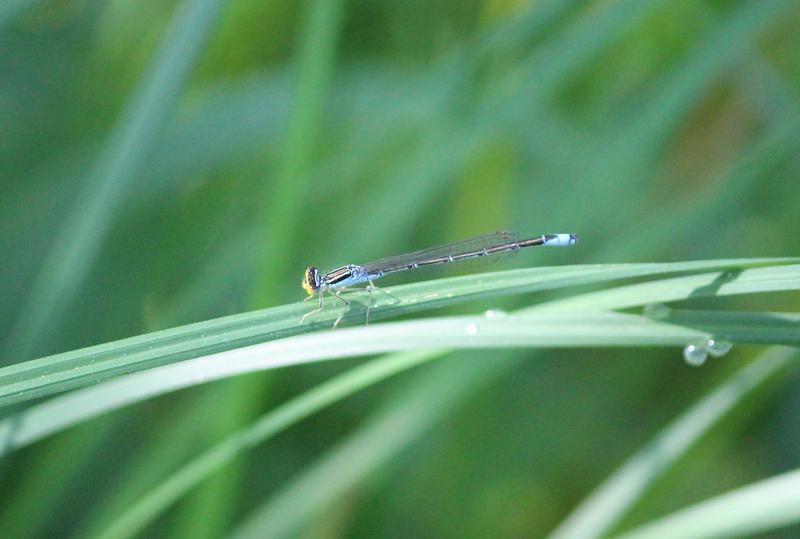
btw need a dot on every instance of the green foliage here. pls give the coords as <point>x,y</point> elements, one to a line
<point>171,167</point>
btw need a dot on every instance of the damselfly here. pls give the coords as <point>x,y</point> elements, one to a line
<point>339,279</point>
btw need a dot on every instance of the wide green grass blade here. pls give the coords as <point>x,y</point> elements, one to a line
<point>744,512</point>
<point>81,367</point>
<point>598,514</point>
<point>78,241</point>
<point>544,330</point>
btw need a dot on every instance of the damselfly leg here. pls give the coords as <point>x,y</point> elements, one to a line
<point>372,288</point>
<point>313,311</point>
<point>336,293</point>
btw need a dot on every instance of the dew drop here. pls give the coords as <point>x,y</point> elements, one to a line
<point>495,313</point>
<point>657,311</point>
<point>471,329</point>
<point>718,348</point>
<point>695,355</point>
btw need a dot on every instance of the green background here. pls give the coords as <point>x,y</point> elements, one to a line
<point>171,162</point>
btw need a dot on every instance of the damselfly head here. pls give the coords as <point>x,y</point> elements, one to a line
<point>310,281</point>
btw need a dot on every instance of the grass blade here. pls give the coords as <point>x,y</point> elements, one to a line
<point>427,171</point>
<point>60,372</point>
<point>284,209</point>
<point>769,328</point>
<point>78,242</point>
<point>179,483</point>
<point>281,208</point>
<point>426,399</point>
<point>747,511</point>
<point>595,516</point>
<point>620,490</point>
<point>679,288</point>
<point>462,332</point>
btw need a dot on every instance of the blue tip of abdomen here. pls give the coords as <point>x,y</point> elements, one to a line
<point>560,240</point>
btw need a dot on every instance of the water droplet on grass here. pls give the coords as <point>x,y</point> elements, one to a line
<point>718,348</point>
<point>471,329</point>
<point>495,313</point>
<point>695,355</point>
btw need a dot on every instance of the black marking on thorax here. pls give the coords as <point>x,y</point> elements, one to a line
<point>338,275</point>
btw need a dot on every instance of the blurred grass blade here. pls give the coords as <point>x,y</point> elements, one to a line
<point>750,510</point>
<point>598,514</point>
<point>78,242</point>
<point>81,367</point>
<point>425,400</point>
<point>283,208</point>
<point>635,144</point>
<point>284,197</point>
<point>136,517</point>
<point>521,95</point>
<point>178,443</point>
<point>669,445</point>
<point>353,460</point>
<point>60,466</point>
<point>721,48</point>
<point>461,332</point>
<point>679,223</point>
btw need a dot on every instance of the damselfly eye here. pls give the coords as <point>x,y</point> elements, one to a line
<point>310,281</point>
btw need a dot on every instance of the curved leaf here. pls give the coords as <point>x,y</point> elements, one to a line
<point>525,330</point>
<point>60,372</point>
